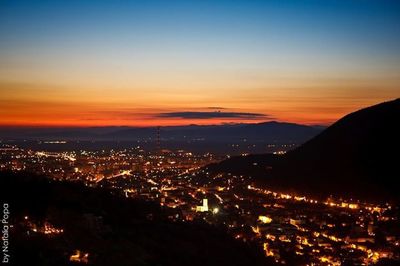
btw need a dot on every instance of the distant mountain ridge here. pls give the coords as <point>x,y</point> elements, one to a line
<point>356,156</point>
<point>267,131</point>
<point>273,131</point>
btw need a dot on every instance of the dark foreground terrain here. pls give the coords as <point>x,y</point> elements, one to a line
<point>58,223</point>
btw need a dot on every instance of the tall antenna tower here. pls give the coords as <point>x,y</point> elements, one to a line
<point>158,141</point>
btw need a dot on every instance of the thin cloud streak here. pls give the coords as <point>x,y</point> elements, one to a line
<point>211,115</point>
<point>216,108</point>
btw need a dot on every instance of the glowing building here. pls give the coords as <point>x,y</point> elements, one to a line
<point>204,207</point>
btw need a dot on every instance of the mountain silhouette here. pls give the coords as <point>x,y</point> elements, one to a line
<point>219,139</point>
<point>265,131</point>
<point>355,157</point>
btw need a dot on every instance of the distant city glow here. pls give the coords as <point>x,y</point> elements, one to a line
<point>324,230</point>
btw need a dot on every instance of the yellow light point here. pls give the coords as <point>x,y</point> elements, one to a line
<point>284,238</point>
<point>374,256</point>
<point>256,229</point>
<point>285,196</point>
<point>76,256</point>
<point>270,237</point>
<point>79,257</point>
<point>264,219</point>
<point>219,198</point>
<point>334,238</point>
<point>377,209</point>
<point>353,206</point>
<point>268,252</point>
<point>215,210</point>
<point>299,198</point>
<point>324,259</point>
<point>204,207</point>
<point>329,260</point>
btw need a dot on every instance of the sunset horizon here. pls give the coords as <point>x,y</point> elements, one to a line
<point>172,119</point>
<point>125,63</point>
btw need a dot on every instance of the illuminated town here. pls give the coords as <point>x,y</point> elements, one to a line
<point>286,227</point>
<point>200,133</point>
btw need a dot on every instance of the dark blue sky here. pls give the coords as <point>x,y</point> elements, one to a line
<point>362,27</point>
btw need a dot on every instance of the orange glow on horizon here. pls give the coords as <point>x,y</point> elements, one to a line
<point>31,104</point>
<point>47,116</point>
